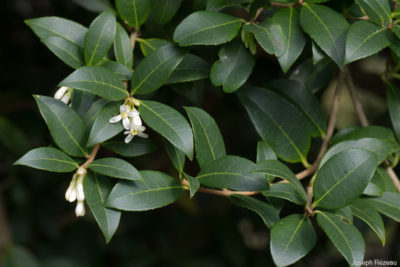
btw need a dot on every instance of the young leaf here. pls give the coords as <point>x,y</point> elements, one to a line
<point>327,28</point>
<point>233,68</point>
<point>232,172</point>
<point>207,28</point>
<point>194,185</point>
<point>267,213</point>
<point>291,239</point>
<point>169,123</point>
<point>133,12</point>
<point>286,132</point>
<point>388,204</point>
<point>70,53</point>
<point>153,71</point>
<point>376,186</point>
<point>115,167</point>
<point>122,47</point>
<point>191,68</point>
<point>49,159</point>
<point>288,19</point>
<point>346,238</point>
<point>137,147</point>
<point>149,46</point>
<point>364,39</point>
<point>164,11</point>
<point>99,38</point>
<point>66,127</point>
<point>177,157</point>
<point>156,190</point>
<point>284,191</point>
<point>343,178</point>
<point>377,11</point>
<point>97,188</point>
<point>209,143</point>
<point>363,209</point>
<point>393,102</point>
<point>98,81</point>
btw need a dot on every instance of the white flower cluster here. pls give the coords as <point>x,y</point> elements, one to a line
<point>75,191</point>
<point>64,94</point>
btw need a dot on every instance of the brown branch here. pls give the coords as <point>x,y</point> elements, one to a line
<point>277,4</point>
<point>394,177</point>
<point>91,156</point>
<point>133,37</point>
<point>356,102</point>
<point>258,13</point>
<point>224,192</point>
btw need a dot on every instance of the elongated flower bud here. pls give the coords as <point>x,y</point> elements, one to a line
<point>80,209</point>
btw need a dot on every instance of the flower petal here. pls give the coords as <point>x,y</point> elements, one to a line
<point>60,92</point>
<point>129,138</point>
<point>136,120</point>
<point>127,123</point>
<point>133,113</point>
<point>80,209</point>
<point>115,119</point>
<point>143,135</point>
<point>124,109</point>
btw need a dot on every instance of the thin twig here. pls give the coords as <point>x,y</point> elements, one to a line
<point>91,157</point>
<point>258,13</point>
<point>277,4</point>
<point>394,177</point>
<point>133,37</point>
<point>224,192</point>
<point>356,102</point>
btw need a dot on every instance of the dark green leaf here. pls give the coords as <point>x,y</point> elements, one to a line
<point>164,11</point>
<point>376,185</point>
<point>118,69</point>
<point>81,101</point>
<point>388,204</point>
<point>49,159</point>
<point>377,11</point>
<point>268,214</point>
<point>291,239</point>
<point>95,5</point>
<point>122,47</point>
<point>284,191</point>
<point>115,167</point>
<point>215,5</point>
<point>264,151</point>
<point>194,185</point>
<point>91,115</point>
<point>66,127</point>
<point>232,172</point>
<point>345,213</point>
<point>191,68</point>
<point>177,157</point>
<point>393,102</point>
<point>18,256</point>
<point>13,138</point>
<point>133,12</point>
<point>150,45</point>
<point>156,190</point>
<point>374,131</point>
<point>70,53</point>
<point>206,28</point>
<point>318,55</point>
<point>137,147</point>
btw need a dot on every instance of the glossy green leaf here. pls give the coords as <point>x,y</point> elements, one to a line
<point>388,204</point>
<point>344,213</point>
<point>154,70</point>
<point>257,4</point>
<point>148,46</point>
<point>191,68</point>
<point>374,131</point>
<point>291,239</point>
<point>91,115</point>
<point>137,147</point>
<point>122,47</point>
<point>215,5</point>
<point>233,68</point>
<point>364,39</point>
<point>133,12</point>
<point>164,11</point>
<point>376,185</point>
<point>276,168</point>
<point>99,38</point>
<point>118,69</point>
<point>66,127</point>
<point>169,123</point>
<point>346,238</point>
<point>209,143</point>
<point>115,167</point>
<point>232,172</point>
<point>268,214</point>
<point>70,53</point>
<point>98,81</point>
<point>156,190</point>
<point>95,5</point>
<point>286,132</point>
<point>343,178</point>
<point>288,19</point>
<point>318,55</point>
<point>97,188</point>
<point>327,28</point>
<point>363,209</point>
<point>206,28</point>
<point>393,102</point>
<point>81,101</point>
<point>102,130</point>
<point>265,151</point>
<point>46,27</point>
<point>377,11</point>
<point>177,157</point>
<point>49,159</point>
<point>194,185</point>
<point>284,191</point>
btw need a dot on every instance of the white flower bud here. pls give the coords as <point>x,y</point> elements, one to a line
<point>80,195</point>
<point>72,196</point>
<point>60,92</point>
<point>81,171</point>
<point>80,209</point>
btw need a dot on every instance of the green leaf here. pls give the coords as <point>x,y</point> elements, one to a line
<point>49,159</point>
<point>148,46</point>
<point>288,19</point>
<point>268,214</point>
<point>70,53</point>
<point>215,5</point>
<point>156,190</point>
<point>343,178</point>
<point>137,147</point>
<point>169,123</point>
<point>81,101</point>
<point>233,68</point>
<point>345,213</point>
<point>191,68</point>
<point>377,11</point>
<point>363,209</point>
<point>376,185</point>
<point>66,127</point>
<point>208,140</point>
<point>327,28</point>
<point>378,132</point>
<point>91,115</point>
<point>269,35</point>
<point>118,69</point>
<point>265,151</point>
<point>102,130</point>
<point>164,11</point>
<point>364,39</point>
<point>97,188</point>
<point>95,5</point>
<point>207,28</point>
<point>122,47</point>
<point>232,172</point>
<point>46,27</point>
<point>286,132</point>
<point>318,55</point>
<point>99,38</point>
<point>346,238</point>
<point>115,167</point>
<point>177,157</point>
<point>133,12</point>
<point>194,185</point>
<point>276,168</point>
<point>291,239</point>
<point>154,70</point>
<point>18,256</point>
<point>393,102</point>
<point>388,204</point>
<point>284,191</point>
<point>98,81</point>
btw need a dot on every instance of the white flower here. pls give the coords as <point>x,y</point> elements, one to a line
<point>125,113</point>
<point>64,94</point>
<point>135,130</point>
<point>75,191</point>
<point>80,209</point>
